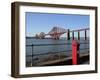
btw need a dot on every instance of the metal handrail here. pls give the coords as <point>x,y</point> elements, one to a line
<point>54,52</point>
<point>32,56</point>
<point>50,45</point>
<point>53,44</point>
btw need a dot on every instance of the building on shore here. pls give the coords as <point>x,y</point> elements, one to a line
<point>40,36</point>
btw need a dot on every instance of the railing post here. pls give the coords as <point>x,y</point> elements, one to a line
<point>85,35</point>
<point>32,55</point>
<point>68,34</point>
<point>75,54</point>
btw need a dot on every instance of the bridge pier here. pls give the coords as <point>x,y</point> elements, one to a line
<point>68,34</point>
<point>72,35</point>
<point>78,35</point>
<point>85,35</point>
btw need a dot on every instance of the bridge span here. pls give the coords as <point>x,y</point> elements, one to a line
<point>56,33</point>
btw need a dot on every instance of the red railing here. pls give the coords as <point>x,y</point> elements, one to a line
<point>75,52</point>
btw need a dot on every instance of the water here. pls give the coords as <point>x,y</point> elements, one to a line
<point>62,47</point>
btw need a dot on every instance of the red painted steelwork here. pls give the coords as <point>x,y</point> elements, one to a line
<point>56,32</point>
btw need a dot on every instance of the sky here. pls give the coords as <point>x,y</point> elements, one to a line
<point>44,22</point>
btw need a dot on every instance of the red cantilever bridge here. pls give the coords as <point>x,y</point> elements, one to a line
<point>56,32</point>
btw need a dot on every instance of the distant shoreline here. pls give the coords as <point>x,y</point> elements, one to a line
<point>51,38</point>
